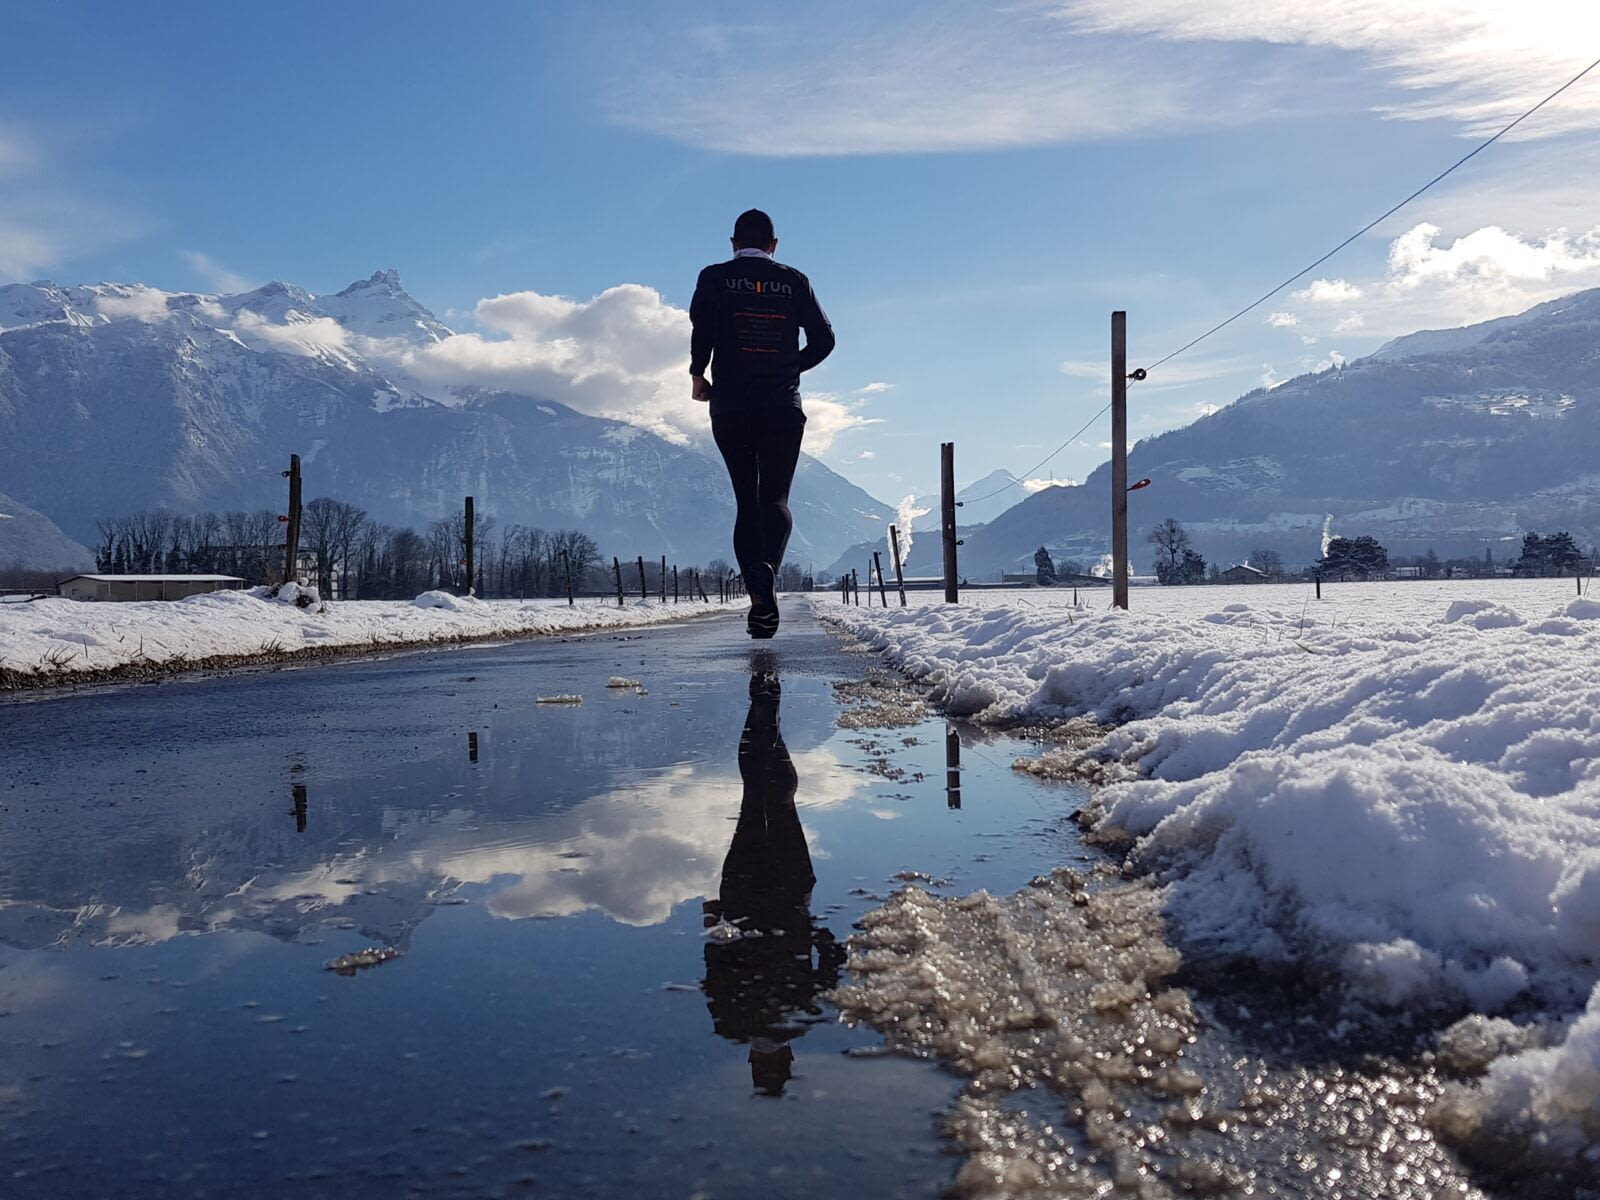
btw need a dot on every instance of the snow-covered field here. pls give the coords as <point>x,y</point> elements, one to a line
<point>1399,785</point>
<point>55,638</point>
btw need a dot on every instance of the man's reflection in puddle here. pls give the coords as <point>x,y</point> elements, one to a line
<point>762,988</point>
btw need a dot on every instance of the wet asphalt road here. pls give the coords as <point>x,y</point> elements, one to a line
<point>179,863</point>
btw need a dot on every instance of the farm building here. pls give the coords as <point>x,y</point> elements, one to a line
<point>144,587</point>
<point>1243,573</point>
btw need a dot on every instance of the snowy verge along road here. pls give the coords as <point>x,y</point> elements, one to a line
<point>1397,788</point>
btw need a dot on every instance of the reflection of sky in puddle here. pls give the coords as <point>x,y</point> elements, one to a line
<point>296,819</point>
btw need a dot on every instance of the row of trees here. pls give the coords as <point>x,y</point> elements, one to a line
<point>349,554</point>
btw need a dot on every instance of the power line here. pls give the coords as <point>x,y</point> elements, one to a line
<point>1257,303</point>
<point>1045,459</point>
<point>1375,221</point>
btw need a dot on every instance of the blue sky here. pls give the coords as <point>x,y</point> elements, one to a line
<point>971,188</point>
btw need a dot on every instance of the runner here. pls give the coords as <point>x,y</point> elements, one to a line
<point>747,315</point>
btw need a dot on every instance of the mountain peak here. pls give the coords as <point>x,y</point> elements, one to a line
<point>387,278</point>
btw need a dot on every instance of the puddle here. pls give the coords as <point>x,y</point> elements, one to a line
<point>523,901</point>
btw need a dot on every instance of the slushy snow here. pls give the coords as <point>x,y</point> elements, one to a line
<point>1398,786</point>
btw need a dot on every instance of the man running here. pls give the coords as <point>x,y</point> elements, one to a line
<point>747,315</point>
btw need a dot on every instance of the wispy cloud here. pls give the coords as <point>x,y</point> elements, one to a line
<point>1476,62</point>
<point>1179,373</point>
<point>215,275</point>
<point>916,79</point>
<point>46,218</point>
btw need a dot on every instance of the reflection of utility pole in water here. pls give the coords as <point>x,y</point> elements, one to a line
<point>299,808</point>
<point>472,746</point>
<point>952,766</point>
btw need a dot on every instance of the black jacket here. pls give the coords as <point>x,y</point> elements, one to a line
<point>747,315</point>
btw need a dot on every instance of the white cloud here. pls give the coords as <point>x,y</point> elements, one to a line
<point>1282,320</point>
<point>1328,291</point>
<point>623,354</point>
<point>1490,258</point>
<point>1477,62</point>
<point>214,273</point>
<point>1038,485</point>
<point>135,303</point>
<point>310,337</point>
<point>866,456</point>
<point>828,416</point>
<point>1431,281</point>
<point>873,389</point>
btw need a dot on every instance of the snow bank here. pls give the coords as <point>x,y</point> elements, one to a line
<point>52,638</point>
<point>1407,795</point>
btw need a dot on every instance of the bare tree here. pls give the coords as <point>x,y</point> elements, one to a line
<point>1172,540</point>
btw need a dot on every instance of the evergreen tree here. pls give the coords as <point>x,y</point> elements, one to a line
<point>1044,570</point>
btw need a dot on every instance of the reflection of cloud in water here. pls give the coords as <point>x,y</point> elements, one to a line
<point>633,853</point>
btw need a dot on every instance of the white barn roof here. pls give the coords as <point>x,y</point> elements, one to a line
<point>158,578</point>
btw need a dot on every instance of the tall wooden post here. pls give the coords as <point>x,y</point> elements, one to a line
<point>291,539</point>
<point>947,517</point>
<point>674,583</point>
<point>468,545</point>
<point>566,566</point>
<point>1119,459</point>
<point>664,579</point>
<point>300,806</point>
<point>899,573</point>
<point>644,592</point>
<point>883,593</point>
<point>616,567</point>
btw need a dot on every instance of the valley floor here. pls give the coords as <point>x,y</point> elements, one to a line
<point>1396,789</point>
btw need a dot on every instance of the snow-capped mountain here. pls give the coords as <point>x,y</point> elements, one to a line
<point>1457,440</point>
<point>118,397</point>
<point>30,539</point>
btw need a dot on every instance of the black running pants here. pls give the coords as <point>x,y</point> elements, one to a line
<point>761,448</point>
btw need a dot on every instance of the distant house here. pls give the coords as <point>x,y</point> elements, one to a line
<point>1243,573</point>
<point>144,587</point>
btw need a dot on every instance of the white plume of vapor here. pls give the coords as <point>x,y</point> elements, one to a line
<point>905,513</point>
<point>1327,533</point>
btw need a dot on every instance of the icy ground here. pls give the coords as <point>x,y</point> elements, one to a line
<point>51,638</point>
<point>1396,789</point>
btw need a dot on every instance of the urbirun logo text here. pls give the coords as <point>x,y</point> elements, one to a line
<point>758,286</point>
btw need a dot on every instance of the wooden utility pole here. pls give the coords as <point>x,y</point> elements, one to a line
<point>883,593</point>
<point>291,540</point>
<point>947,517</point>
<point>566,567</point>
<point>1119,459</point>
<point>468,545</point>
<point>616,567</point>
<point>899,573</point>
